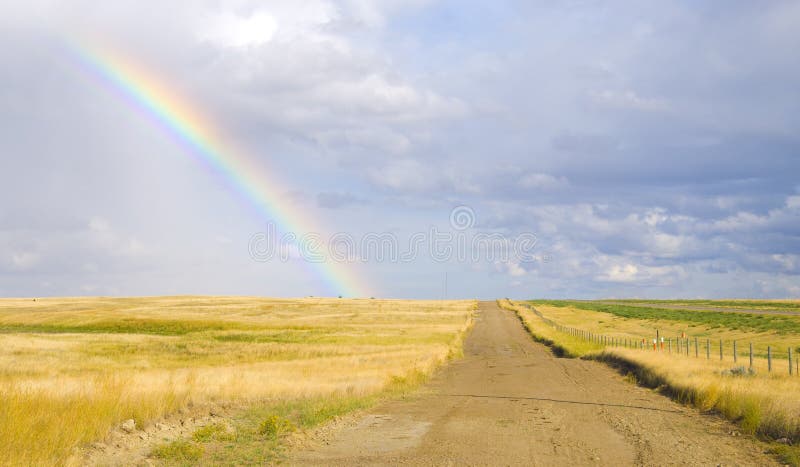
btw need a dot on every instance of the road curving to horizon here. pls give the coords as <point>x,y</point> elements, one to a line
<point>510,401</point>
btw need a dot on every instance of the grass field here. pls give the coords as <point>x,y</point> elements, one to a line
<point>766,305</point>
<point>711,319</point>
<point>778,332</point>
<point>764,403</point>
<point>71,369</point>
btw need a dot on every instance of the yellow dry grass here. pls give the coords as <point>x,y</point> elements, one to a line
<point>563,344</point>
<point>73,368</point>
<point>765,404</point>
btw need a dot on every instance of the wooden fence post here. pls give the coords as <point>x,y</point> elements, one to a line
<point>669,343</point>
<point>734,352</point>
<point>751,355</point>
<point>790,361</point>
<point>720,349</point>
<point>769,358</point>
<point>708,349</point>
<point>695,348</point>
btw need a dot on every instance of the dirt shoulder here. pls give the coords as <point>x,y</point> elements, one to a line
<point>509,401</point>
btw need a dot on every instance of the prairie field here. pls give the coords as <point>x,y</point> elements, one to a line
<point>71,369</point>
<point>778,331</point>
<point>762,402</point>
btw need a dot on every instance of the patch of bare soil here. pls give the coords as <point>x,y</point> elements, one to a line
<point>123,446</point>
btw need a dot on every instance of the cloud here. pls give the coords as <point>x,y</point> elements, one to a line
<point>229,30</point>
<point>24,260</point>
<point>584,142</point>
<point>627,100</point>
<point>541,181</point>
<point>333,200</point>
<point>620,273</point>
<point>510,268</point>
<point>95,247</point>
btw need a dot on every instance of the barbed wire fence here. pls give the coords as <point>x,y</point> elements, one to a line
<point>685,346</point>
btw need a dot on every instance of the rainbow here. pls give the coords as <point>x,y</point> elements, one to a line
<point>192,128</point>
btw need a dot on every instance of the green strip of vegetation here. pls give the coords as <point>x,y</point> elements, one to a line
<point>740,321</point>
<point>123,326</point>
<point>344,335</point>
<point>745,304</point>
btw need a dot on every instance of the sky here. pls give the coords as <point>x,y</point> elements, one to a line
<point>526,149</point>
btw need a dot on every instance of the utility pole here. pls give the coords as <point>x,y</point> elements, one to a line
<point>445,285</point>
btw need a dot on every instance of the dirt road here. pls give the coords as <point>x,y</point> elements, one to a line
<point>509,401</point>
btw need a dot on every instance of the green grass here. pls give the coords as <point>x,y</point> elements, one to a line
<point>275,425</point>
<point>123,326</point>
<point>213,432</point>
<point>342,335</point>
<point>788,455</point>
<point>736,321</point>
<point>745,304</point>
<point>179,451</point>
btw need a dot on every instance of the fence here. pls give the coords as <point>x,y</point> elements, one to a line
<point>680,345</point>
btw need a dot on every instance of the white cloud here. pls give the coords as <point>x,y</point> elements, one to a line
<point>620,273</point>
<point>312,80</point>
<point>377,96</point>
<point>230,30</point>
<point>380,138</point>
<point>542,181</point>
<point>24,260</point>
<point>405,175</point>
<point>374,13</point>
<point>511,268</point>
<point>98,224</point>
<point>628,100</point>
<point>788,262</point>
